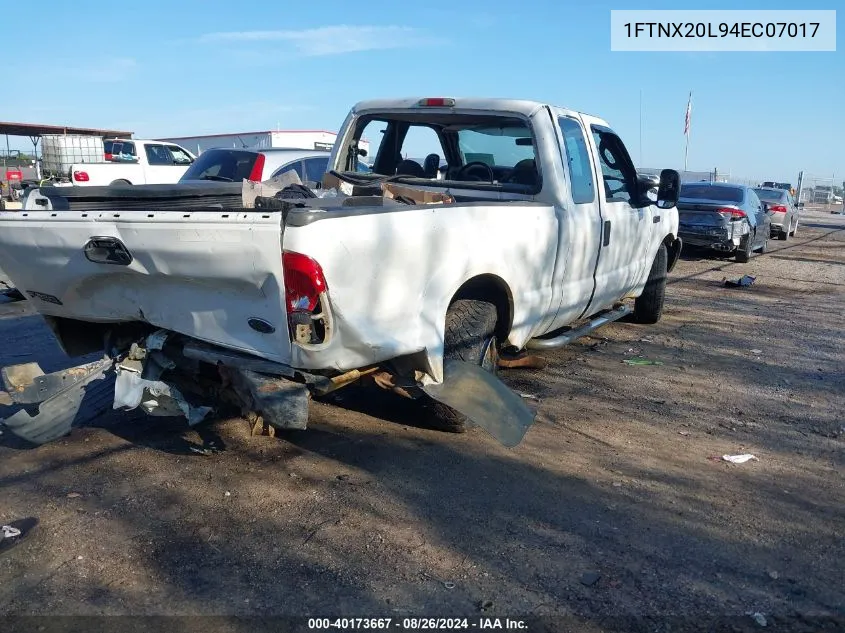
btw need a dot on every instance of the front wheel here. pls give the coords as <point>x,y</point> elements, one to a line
<point>648,307</point>
<point>794,228</point>
<point>470,336</point>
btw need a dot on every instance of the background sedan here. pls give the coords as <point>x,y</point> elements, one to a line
<point>784,210</point>
<point>723,217</point>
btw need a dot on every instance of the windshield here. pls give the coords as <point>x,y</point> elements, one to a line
<point>719,193</point>
<point>496,146</point>
<point>227,165</point>
<point>768,195</point>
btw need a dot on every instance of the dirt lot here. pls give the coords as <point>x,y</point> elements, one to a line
<point>615,504</point>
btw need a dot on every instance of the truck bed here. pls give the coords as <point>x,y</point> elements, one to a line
<point>184,196</point>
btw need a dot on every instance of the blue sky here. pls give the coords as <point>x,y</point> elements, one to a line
<point>184,67</point>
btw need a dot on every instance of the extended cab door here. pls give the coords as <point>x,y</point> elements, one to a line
<point>580,222</point>
<point>626,230</point>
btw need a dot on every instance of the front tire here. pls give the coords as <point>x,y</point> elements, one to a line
<point>470,336</point>
<point>119,183</point>
<point>648,307</point>
<point>795,228</point>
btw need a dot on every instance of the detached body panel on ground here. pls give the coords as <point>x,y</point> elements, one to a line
<point>540,217</point>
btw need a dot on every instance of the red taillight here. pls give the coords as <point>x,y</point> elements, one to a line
<point>733,214</point>
<point>304,282</point>
<point>109,156</point>
<point>80,176</point>
<point>257,169</point>
<point>437,102</point>
<point>778,208</point>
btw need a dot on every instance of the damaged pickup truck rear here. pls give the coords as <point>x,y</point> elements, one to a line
<point>524,227</point>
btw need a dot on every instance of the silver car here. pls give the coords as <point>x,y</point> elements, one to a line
<point>236,165</point>
<point>784,210</point>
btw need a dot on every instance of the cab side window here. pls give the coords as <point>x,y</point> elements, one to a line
<point>294,166</point>
<point>158,155</point>
<point>618,172</point>
<point>577,159</point>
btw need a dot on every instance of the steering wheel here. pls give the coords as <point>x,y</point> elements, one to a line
<point>465,172</point>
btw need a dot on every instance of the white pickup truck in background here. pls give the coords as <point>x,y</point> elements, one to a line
<point>539,231</point>
<point>133,162</point>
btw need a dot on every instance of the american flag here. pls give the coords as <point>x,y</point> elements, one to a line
<point>687,117</point>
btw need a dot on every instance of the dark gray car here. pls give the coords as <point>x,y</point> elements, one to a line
<point>784,210</point>
<point>723,217</point>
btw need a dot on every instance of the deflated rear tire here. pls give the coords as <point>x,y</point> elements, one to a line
<point>648,307</point>
<point>470,336</point>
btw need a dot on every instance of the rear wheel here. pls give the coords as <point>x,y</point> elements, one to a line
<point>470,336</point>
<point>743,254</point>
<point>648,307</point>
<point>794,228</point>
<point>119,182</point>
<point>783,234</point>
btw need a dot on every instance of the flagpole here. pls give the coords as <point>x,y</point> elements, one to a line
<point>641,127</point>
<point>687,128</point>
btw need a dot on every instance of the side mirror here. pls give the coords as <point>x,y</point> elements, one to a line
<point>800,205</point>
<point>669,190</point>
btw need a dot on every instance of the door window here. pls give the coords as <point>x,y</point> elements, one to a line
<point>158,155</point>
<point>618,173</point>
<point>180,156</point>
<point>315,168</point>
<point>294,166</point>
<point>577,159</point>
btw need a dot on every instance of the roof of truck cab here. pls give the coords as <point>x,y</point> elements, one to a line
<point>517,106</point>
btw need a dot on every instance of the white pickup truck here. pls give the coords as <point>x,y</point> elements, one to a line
<point>538,232</point>
<point>133,162</point>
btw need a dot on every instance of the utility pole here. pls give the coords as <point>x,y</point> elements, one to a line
<point>800,187</point>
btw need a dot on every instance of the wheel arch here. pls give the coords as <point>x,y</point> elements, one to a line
<point>494,289</point>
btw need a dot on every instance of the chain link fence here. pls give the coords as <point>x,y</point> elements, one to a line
<point>820,191</point>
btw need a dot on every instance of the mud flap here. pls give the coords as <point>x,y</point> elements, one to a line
<point>63,399</point>
<point>484,399</point>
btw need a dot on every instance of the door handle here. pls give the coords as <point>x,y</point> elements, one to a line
<point>606,233</point>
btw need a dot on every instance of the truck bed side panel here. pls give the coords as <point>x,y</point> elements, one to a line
<point>391,276</point>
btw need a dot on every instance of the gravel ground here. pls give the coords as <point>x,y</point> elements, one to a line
<point>616,504</point>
